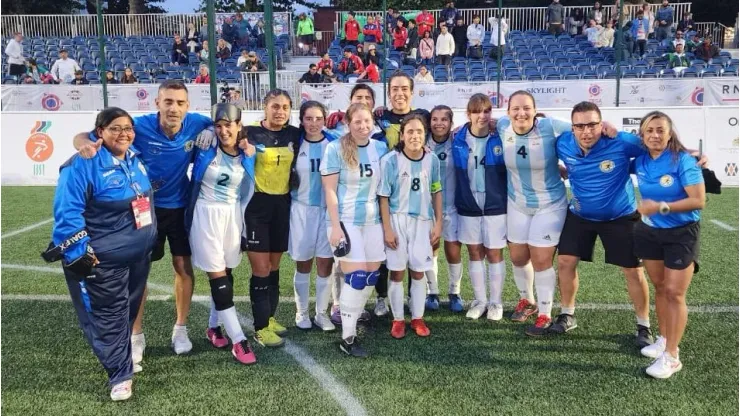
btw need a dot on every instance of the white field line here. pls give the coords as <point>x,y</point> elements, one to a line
<point>25,229</point>
<point>722,225</point>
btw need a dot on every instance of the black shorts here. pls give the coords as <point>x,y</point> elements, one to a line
<point>268,223</point>
<point>617,236</point>
<point>307,39</point>
<point>677,247</point>
<point>171,226</point>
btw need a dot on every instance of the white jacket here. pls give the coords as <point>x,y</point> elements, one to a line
<point>494,30</point>
<point>475,33</point>
<point>445,44</point>
<point>64,69</point>
<point>14,50</point>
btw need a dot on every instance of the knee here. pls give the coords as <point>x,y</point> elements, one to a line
<point>182,267</point>
<point>673,294</point>
<point>519,256</point>
<point>567,263</point>
<point>304,266</point>
<point>495,256</point>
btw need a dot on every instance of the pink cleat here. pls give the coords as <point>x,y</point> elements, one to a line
<point>243,353</point>
<point>217,338</point>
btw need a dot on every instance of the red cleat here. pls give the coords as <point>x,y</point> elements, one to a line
<point>398,329</point>
<point>420,327</point>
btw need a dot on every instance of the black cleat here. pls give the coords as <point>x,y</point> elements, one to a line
<point>351,346</point>
<point>563,323</point>
<point>644,336</point>
<point>540,328</point>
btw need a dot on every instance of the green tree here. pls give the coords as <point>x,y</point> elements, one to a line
<point>40,6</point>
<point>230,6</point>
<point>126,6</point>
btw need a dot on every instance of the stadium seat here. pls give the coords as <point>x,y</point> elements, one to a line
<point>690,73</point>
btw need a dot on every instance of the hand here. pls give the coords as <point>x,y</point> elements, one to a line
<point>648,207</point>
<point>206,139</point>
<point>379,111</point>
<point>334,119</point>
<point>703,159</point>
<point>610,130</point>
<point>248,148</point>
<point>563,172</point>
<point>390,239</point>
<point>336,236</point>
<point>436,233</point>
<point>89,151</point>
<point>492,125</point>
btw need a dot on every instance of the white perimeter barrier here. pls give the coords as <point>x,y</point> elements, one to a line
<point>35,144</point>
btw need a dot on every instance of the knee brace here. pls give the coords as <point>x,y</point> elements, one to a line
<point>372,277</point>
<point>222,292</point>
<point>357,279</point>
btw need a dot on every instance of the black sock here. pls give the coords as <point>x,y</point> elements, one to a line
<point>229,274</point>
<point>274,284</point>
<point>382,286</point>
<point>260,297</point>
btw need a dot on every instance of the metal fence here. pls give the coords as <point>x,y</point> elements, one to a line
<point>322,41</point>
<point>254,86</point>
<point>721,35</point>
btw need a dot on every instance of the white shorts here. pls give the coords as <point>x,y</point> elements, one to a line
<point>489,230</point>
<point>450,225</point>
<point>366,243</point>
<point>541,229</point>
<point>215,236</point>
<point>308,237</point>
<point>414,248</point>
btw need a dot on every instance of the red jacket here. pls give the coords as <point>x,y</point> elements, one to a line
<point>425,22</point>
<point>200,79</point>
<point>351,30</point>
<point>373,74</point>
<point>399,37</point>
<point>351,65</point>
<point>324,64</point>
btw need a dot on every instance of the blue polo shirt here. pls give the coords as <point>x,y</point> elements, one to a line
<point>600,180</point>
<point>664,179</point>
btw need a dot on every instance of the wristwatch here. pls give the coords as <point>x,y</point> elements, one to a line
<point>663,208</point>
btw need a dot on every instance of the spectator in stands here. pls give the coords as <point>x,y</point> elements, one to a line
<point>575,22</point>
<point>203,76</point>
<point>677,60</point>
<point>678,39</point>
<point>706,50</point>
<point>242,58</point>
<point>373,32</point>
<point>79,78</point>
<point>203,33</point>
<point>312,76</point>
<point>400,35</point>
<point>228,31</point>
<point>647,12</point>
<point>193,38</point>
<point>425,20</point>
<point>640,30</point>
<point>475,34</point>
<point>620,18</point>
<point>237,100</point>
<point>596,14</point>
<point>606,36</point>
<point>179,55</point>
<point>350,64</point>
<point>128,77</point>
<point>328,76</point>
<point>204,52</point>
<point>693,43</point>
<point>664,17</point>
<point>555,14</point>
<point>399,17</point>
<point>64,68</point>
<point>426,49</point>
<point>242,29</point>
<point>371,72</point>
<point>423,75</point>
<point>252,64</point>
<point>351,30</point>
<point>592,32</point>
<point>361,53</point>
<point>305,32</point>
<point>445,46</point>
<point>37,74</point>
<point>110,79</point>
<point>325,62</point>
<point>686,24</point>
<point>14,50</point>
<point>390,20</point>
<point>372,53</point>
<point>259,33</point>
<point>625,34</point>
<point>449,14</point>
<point>496,22</point>
<point>223,51</point>
<point>412,42</point>
<point>460,35</point>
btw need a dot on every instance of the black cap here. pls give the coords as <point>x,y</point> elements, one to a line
<point>225,111</point>
<point>62,50</point>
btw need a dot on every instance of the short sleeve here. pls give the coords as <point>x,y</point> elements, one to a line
<point>560,126</point>
<point>632,144</point>
<point>381,147</point>
<point>331,162</point>
<point>200,122</point>
<point>436,175</point>
<point>689,172</point>
<point>388,176</point>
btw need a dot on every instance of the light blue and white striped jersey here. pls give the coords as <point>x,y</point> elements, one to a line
<point>357,188</point>
<point>409,184</point>
<point>222,179</point>
<point>477,165</point>
<point>447,172</point>
<point>308,167</point>
<point>532,162</point>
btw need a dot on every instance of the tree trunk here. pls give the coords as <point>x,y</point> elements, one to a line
<point>135,7</point>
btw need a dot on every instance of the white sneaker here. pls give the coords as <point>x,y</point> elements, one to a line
<point>180,341</point>
<point>138,344</point>
<point>381,307</point>
<point>121,391</point>
<point>664,366</point>
<point>655,349</point>
<point>302,321</point>
<point>477,309</point>
<point>495,312</point>
<point>322,321</point>
<point>138,368</point>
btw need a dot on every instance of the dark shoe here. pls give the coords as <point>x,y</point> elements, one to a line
<point>540,328</point>
<point>644,336</point>
<point>351,346</point>
<point>563,323</point>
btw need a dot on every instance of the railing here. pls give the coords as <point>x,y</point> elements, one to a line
<point>721,35</point>
<point>322,41</point>
<point>254,86</point>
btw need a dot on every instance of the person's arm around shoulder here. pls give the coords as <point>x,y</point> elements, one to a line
<point>388,176</point>
<point>436,189</point>
<point>330,168</point>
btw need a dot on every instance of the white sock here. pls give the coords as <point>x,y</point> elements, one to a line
<point>300,290</point>
<point>570,311</point>
<point>322,294</point>
<point>524,278</point>
<point>418,293</point>
<point>432,282</point>
<point>477,278</point>
<point>496,275</point>
<point>545,283</point>
<point>644,322</point>
<point>231,323</point>
<point>213,316</point>
<point>336,284</point>
<point>455,274</point>
<point>352,303</point>
<point>395,296</point>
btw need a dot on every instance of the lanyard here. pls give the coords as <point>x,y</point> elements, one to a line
<point>126,169</point>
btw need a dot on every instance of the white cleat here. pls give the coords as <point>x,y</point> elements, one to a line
<point>322,321</point>
<point>121,391</point>
<point>138,345</point>
<point>477,309</point>
<point>138,368</point>
<point>381,307</point>
<point>655,349</point>
<point>180,342</point>
<point>495,312</point>
<point>302,321</point>
<point>664,366</point>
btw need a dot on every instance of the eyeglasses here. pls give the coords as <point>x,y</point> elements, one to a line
<point>118,130</point>
<point>590,126</point>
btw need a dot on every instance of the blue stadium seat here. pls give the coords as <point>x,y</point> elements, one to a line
<point>570,74</point>
<point>667,73</point>
<point>631,73</point>
<point>650,73</point>
<point>730,71</point>
<point>690,73</point>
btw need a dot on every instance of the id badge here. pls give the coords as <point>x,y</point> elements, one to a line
<point>142,212</point>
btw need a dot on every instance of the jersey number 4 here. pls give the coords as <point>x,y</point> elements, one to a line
<point>522,152</point>
<point>366,170</point>
<point>224,180</point>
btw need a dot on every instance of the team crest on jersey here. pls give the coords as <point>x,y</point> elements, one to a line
<point>189,145</point>
<point>497,150</point>
<point>606,166</point>
<point>666,181</point>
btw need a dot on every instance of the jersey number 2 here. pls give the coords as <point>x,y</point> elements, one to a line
<point>224,180</point>
<point>522,152</point>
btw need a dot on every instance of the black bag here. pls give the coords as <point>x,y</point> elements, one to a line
<point>475,52</point>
